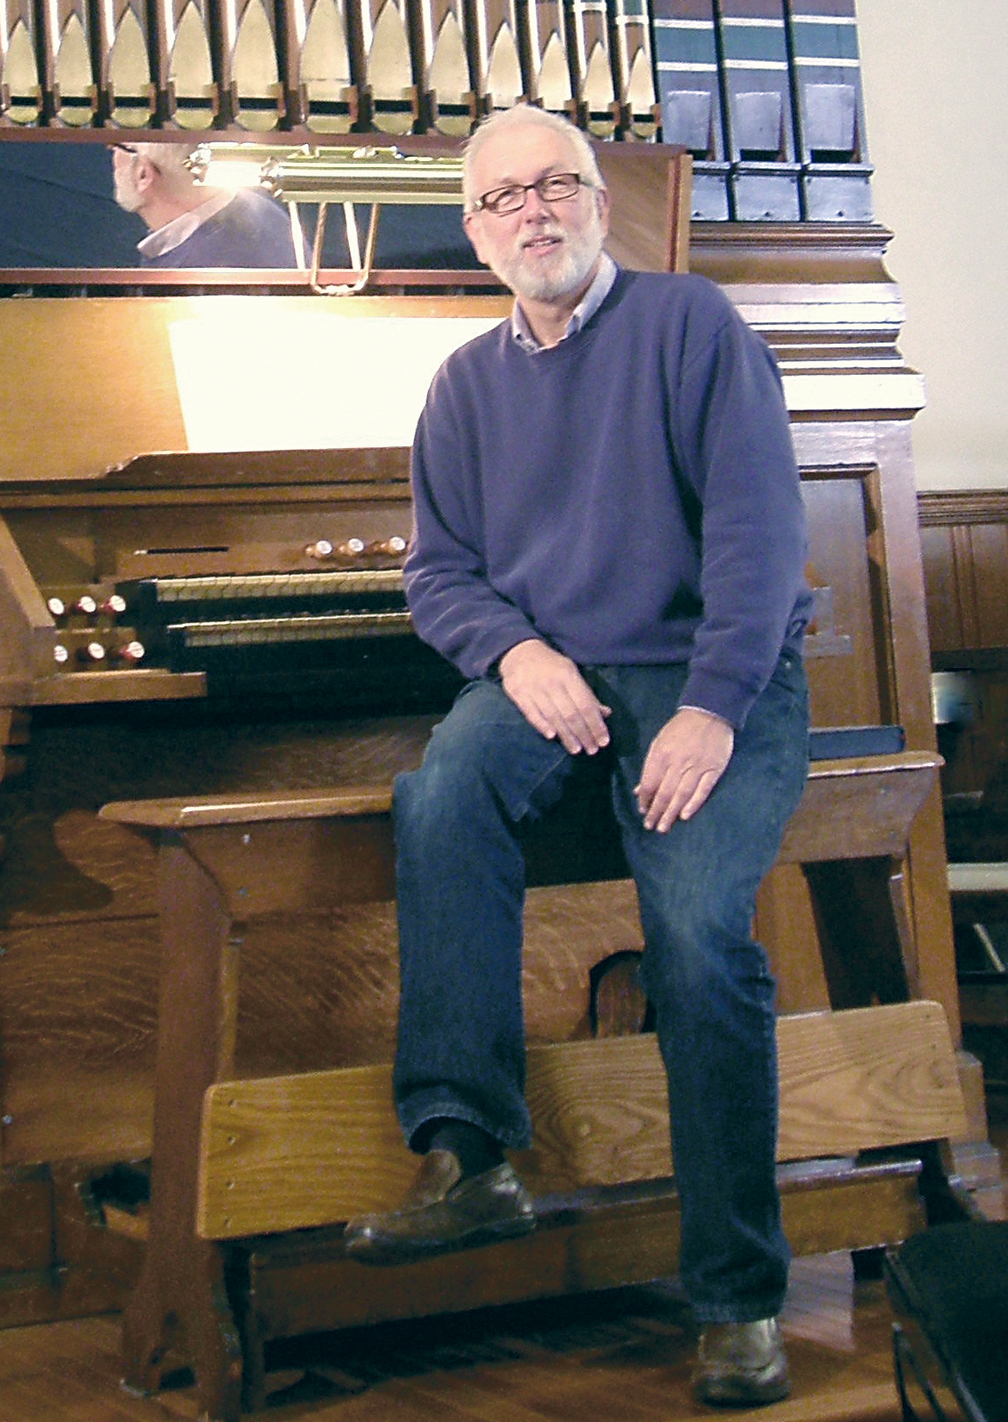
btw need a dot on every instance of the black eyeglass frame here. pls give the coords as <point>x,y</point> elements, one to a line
<point>488,201</point>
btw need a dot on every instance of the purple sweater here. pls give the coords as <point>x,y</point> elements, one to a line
<point>251,231</point>
<point>628,496</point>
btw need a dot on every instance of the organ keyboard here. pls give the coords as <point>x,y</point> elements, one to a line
<point>305,582</point>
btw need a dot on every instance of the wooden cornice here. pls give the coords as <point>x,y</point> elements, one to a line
<point>962,506</point>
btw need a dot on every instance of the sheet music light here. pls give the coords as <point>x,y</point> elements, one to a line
<point>368,174</point>
<point>323,176</point>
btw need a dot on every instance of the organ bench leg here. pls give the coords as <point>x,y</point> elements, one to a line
<point>182,1290</point>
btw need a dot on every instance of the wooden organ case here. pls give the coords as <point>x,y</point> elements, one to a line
<point>305,672</point>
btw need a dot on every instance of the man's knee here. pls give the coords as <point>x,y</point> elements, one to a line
<point>698,950</point>
<point>440,793</point>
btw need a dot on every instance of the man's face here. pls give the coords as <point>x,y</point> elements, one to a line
<point>546,251</point>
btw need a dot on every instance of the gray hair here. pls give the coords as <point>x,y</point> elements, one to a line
<point>529,115</point>
<point>170,161</point>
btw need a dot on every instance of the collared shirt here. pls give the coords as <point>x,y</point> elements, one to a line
<point>593,298</point>
<point>179,229</point>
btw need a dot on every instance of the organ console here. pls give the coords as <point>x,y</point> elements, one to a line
<point>173,578</point>
<point>200,569</point>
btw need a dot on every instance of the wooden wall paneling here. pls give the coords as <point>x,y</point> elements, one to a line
<point>318,65</point>
<point>965,581</point>
<point>597,99</point>
<point>989,560</point>
<point>964,538</point>
<point>943,611</point>
<point>20,81</point>
<point>496,39</point>
<point>126,89</point>
<point>548,80</point>
<point>638,96</point>
<point>447,87</point>
<point>187,78</point>
<point>960,745</point>
<point>391,80</point>
<point>70,94</point>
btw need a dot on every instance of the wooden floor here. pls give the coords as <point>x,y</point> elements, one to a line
<point>623,1355</point>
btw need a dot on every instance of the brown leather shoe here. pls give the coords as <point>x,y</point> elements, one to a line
<point>443,1212</point>
<point>741,1364</point>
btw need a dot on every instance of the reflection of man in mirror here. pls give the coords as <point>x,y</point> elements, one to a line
<point>192,225</point>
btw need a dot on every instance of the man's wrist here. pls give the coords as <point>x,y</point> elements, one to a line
<point>714,715</point>
<point>525,642</point>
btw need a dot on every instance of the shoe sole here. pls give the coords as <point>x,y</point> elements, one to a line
<point>724,1393</point>
<point>411,1251</point>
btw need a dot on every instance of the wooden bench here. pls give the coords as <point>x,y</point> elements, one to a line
<point>252,1177</point>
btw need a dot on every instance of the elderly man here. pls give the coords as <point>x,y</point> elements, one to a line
<point>195,226</point>
<point>609,544</point>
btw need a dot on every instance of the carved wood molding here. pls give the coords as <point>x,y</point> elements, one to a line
<point>963,506</point>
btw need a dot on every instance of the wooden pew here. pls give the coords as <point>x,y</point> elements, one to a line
<point>252,1177</point>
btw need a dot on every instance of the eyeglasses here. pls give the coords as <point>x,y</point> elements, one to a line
<point>554,187</point>
<point>129,148</point>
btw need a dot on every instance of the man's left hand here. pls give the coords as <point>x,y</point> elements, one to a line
<point>684,762</point>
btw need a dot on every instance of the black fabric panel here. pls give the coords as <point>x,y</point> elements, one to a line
<point>955,1279</point>
<point>838,742</point>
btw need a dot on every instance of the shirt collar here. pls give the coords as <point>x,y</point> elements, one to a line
<point>174,233</point>
<point>593,298</point>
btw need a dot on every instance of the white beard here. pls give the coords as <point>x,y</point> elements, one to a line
<point>564,272</point>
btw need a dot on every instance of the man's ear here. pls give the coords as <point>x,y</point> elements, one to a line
<point>601,196</point>
<point>473,226</point>
<point>145,174</point>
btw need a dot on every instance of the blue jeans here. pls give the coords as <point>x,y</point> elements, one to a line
<point>461,886</point>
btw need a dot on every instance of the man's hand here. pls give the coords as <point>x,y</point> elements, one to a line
<point>554,697</point>
<point>685,761</point>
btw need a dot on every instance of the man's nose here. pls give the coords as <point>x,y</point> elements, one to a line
<point>535,207</point>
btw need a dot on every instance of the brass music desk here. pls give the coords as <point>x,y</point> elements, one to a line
<point>252,1177</point>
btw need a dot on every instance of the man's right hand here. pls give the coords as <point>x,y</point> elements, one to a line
<point>554,697</point>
